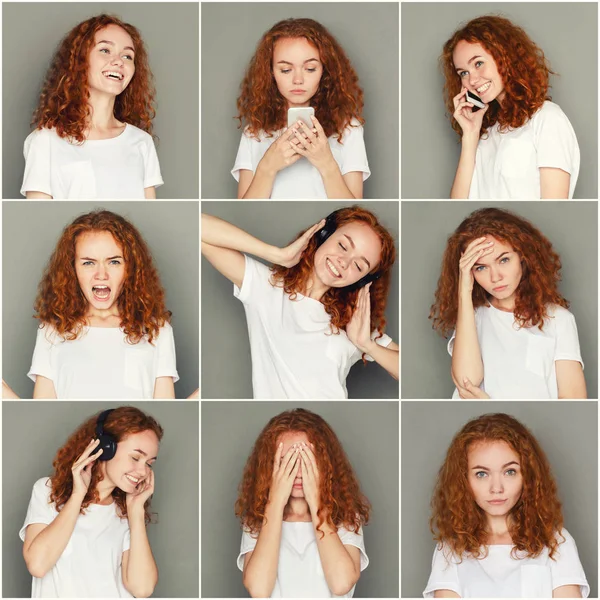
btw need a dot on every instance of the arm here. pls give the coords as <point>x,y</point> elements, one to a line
<point>554,183</point>
<point>388,357</point>
<point>139,570</point>
<point>567,591</point>
<point>150,193</point>
<point>445,594</point>
<point>7,392</point>
<point>43,389</point>
<point>37,196</point>
<point>164,388</point>
<point>570,379</point>
<point>348,186</point>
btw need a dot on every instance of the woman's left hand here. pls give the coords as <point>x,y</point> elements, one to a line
<point>358,329</point>
<point>310,477</point>
<point>314,145</point>
<point>143,491</point>
<point>469,391</point>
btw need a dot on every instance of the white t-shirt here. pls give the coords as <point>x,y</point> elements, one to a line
<point>519,363</point>
<point>507,165</point>
<point>102,364</point>
<point>299,570</point>
<point>90,565</point>
<point>499,575</point>
<point>294,353</point>
<point>302,180</point>
<point>117,168</point>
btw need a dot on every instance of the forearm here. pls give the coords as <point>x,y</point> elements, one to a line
<point>260,573</point>
<point>142,572</point>
<point>466,355</point>
<point>333,180</point>
<point>466,167</point>
<point>7,392</point>
<point>339,569</point>
<point>217,232</point>
<point>262,183</point>
<point>48,546</point>
<point>389,359</point>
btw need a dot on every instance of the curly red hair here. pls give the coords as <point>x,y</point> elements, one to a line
<point>61,303</point>
<point>120,423</point>
<point>539,262</point>
<point>341,500</point>
<point>338,100</point>
<point>63,103</point>
<point>524,70</point>
<point>340,303</point>
<point>459,523</point>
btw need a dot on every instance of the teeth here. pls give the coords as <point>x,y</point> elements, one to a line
<point>483,88</point>
<point>132,479</point>
<point>113,75</point>
<point>333,269</point>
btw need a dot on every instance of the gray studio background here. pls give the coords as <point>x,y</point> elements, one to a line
<point>568,434</point>
<point>563,30</point>
<point>171,35</point>
<point>224,327</point>
<point>368,432</point>
<point>26,458</point>
<point>426,226</point>
<point>230,33</point>
<point>30,231</point>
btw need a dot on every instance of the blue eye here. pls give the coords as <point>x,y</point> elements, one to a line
<point>479,62</point>
<point>504,260</point>
<point>87,262</point>
<point>480,474</point>
<point>115,261</point>
<point>479,268</point>
<point>462,73</point>
<point>511,472</point>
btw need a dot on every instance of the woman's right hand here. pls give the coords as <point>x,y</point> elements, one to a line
<point>473,252</point>
<point>469,121</point>
<point>82,470</point>
<point>281,152</point>
<point>285,470</point>
<point>290,255</point>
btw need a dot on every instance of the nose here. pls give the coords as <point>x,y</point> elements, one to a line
<point>101,272</point>
<point>496,485</point>
<point>495,275</point>
<point>298,77</point>
<point>117,60</point>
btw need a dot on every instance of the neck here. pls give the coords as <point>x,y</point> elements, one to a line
<point>506,304</point>
<point>102,107</point>
<point>297,510</point>
<point>315,288</point>
<point>103,315</point>
<point>497,526</point>
<point>105,489</point>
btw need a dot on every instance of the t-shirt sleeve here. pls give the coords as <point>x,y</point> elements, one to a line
<point>354,153</point>
<point>444,575</point>
<point>152,176</point>
<point>166,366</point>
<point>256,278</point>
<point>37,163</point>
<point>41,363</point>
<point>127,540</point>
<point>385,340</point>
<point>566,567</point>
<point>243,160</point>
<point>555,140</point>
<point>39,509</point>
<point>248,544</point>
<point>350,538</point>
<point>567,340</point>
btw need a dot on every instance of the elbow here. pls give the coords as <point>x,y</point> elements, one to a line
<point>343,586</point>
<point>142,591</point>
<point>36,569</point>
<point>257,589</point>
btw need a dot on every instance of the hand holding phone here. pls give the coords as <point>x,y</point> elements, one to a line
<point>475,100</point>
<point>301,113</point>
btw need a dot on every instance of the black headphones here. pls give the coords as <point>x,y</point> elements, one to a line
<point>325,233</point>
<point>108,442</point>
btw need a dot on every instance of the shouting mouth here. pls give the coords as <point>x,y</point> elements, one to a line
<point>101,292</point>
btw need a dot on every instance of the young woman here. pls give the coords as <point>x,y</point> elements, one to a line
<point>519,145</point>
<point>85,531</point>
<point>302,512</point>
<point>309,316</point>
<point>104,328</point>
<point>498,520</point>
<point>298,63</point>
<point>513,335</point>
<point>93,123</point>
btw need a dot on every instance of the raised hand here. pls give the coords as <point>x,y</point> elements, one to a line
<point>281,152</point>
<point>313,144</point>
<point>285,469</point>
<point>82,470</point>
<point>469,121</point>
<point>290,255</point>
<point>143,490</point>
<point>473,252</point>
<point>358,329</point>
<point>469,391</point>
<point>310,477</point>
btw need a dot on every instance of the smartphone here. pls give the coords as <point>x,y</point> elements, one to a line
<point>476,100</point>
<point>303,113</point>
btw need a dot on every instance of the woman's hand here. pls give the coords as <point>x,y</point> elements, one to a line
<point>358,329</point>
<point>290,255</point>
<point>473,252</point>
<point>285,471</point>
<point>82,470</point>
<point>469,391</point>
<point>144,489</point>
<point>310,478</point>
<point>314,145</point>
<point>281,152</point>
<point>469,121</point>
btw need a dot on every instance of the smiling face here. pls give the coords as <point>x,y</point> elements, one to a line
<point>351,252</point>
<point>289,439</point>
<point>133,461</point>
<point>100,269</point>
<point>499,273</point>
<point>478,72</point>
<point>495,477</point>
<point>297,70</point>
<point>111,62</point>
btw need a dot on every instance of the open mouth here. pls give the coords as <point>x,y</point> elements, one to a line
<point>332,268</point>
<point>484,88</point>
<point>101,292</point>
<point>132,479</point>
<point>114,75</point>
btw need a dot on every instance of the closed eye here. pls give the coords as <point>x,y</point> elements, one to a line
<point>342,246</point>
<point>358,267</point>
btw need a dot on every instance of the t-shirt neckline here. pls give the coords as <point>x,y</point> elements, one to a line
<point>112,139</point>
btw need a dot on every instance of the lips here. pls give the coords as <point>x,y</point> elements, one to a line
<point>482,89</point>
<point>497,502</point>
<point>298,91</point>
<point>133,480</point>
<point>113,75</point>
<point>500,288</point>
<point>332,269</point>
<point>101,292</point>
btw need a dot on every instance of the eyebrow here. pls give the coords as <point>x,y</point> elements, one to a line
<point>512,462</point>
<point>497,258</point>
<point>469,62</point>
<point>353,246</point>
<point>142,452</point>
<point>112,44</point>
<point>109,258</point>
<point>285,62</point>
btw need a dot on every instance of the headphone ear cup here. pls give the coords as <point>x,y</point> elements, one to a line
<point>109,447</point>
